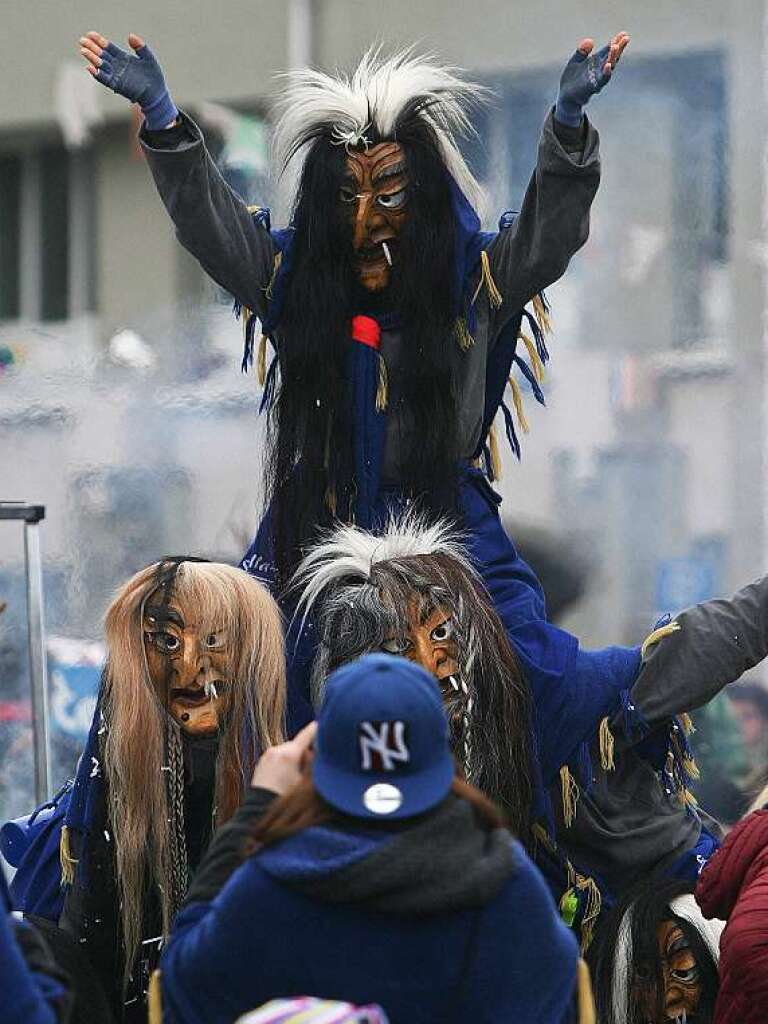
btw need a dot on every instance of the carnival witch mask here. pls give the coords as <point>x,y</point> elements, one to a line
<point>374,195</point>
<point>412,592</point>
<point>189,661</point>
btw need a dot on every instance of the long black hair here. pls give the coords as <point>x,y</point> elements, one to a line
<point>310,477</point>
<point>629,934</point>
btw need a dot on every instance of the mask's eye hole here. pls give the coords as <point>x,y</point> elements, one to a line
<point>440,634</point>
<point>394,200</point>
<point>214,640</point>
<point>347,194</point>
<point>165,642</point>
<point>686,977</point>
<point>395,645</point>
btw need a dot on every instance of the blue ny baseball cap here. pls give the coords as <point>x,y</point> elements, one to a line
<point>382,740</point>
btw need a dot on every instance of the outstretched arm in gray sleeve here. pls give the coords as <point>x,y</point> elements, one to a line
<point>716,642</point>
<point>211,220</point>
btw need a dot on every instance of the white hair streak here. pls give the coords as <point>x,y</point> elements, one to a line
<point>346,553</point>
<point>375,96</point>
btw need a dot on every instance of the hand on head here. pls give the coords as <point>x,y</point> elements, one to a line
<point>281,767</point>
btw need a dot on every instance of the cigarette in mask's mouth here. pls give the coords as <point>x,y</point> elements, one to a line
<point>387,254</point>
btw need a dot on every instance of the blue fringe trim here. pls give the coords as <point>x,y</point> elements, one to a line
<point>527,372</point>
<point>536,331</point>
<point>509,424</point>
<point>268,395</point>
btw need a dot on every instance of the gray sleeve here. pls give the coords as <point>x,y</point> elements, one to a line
<point>553,222</point>
<point>716,643</point>
<point>211,220</point>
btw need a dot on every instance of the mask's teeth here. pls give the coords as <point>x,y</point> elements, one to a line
<point>210,691</point>
<point>454,684</point>
<point>387,254</point>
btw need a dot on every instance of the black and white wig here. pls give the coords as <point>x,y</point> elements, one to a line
<point>624,957</point>
<point>424,106</point>
<point>360,590</point>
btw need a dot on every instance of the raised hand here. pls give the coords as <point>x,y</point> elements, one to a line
<point>137,76</point>
<point>585,74</point>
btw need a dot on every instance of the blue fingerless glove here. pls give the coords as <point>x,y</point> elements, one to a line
<point>582,78</point>
<point>139,78</point>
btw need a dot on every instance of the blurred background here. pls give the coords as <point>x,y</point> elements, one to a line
<point>642,486</point>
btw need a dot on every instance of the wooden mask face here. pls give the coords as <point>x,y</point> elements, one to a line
<point>680,977</point>
<point>374,195</point>
<point>189,664</point>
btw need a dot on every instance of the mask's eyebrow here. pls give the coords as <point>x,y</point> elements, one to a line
<point>393,171</point>
<point>161,613</point>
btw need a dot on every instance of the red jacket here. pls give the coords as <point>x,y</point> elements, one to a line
<point>734,887</point>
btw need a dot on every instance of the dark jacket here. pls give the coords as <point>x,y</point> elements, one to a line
<point>634,820</point>
<point>435,920</point>
<point>734,887</point>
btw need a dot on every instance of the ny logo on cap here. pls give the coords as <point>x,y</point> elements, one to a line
<point>382,746</point>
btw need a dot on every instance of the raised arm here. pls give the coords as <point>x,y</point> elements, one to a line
<point>714,644</point>
<point>211,220</point>
<point>553,222</point>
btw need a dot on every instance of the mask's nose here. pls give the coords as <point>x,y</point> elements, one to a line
<point>367,218</point>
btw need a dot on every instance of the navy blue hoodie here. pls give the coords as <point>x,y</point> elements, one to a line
<point>435,920</point>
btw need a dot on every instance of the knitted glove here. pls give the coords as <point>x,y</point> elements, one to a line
<point>140,79</point>
<point>583,77</point>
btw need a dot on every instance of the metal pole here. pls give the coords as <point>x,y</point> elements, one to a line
<point>31,515</point>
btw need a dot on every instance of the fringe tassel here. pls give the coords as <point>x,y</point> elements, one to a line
<point>656,635</point>
<point>509,424</point>
<point>586,998</point>
<point>67,861</point>
<point>517,399</point>
<point>155,999</point>
<point>541,312</point>
<point>493,447</point>
<point>529,375</point>
<point>261,362</point>
<point>269,290</point>
<point>330,499</point>
<point>592,912</point>
<point>536,361</point>
<point>486,278</point>
<point>463,337</point>
<point>382,389</point>
<point>686,724</point>
<point>607,762</point>
<point>570,793</point>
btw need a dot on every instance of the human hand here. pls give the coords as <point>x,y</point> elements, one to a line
<point>585,74</point>
<point>280,768</point>
<point>137,76</point>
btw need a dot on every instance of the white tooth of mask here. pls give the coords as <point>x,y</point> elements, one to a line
<point>454,684</point>
<point>210,691</point>
<point>387,255</point>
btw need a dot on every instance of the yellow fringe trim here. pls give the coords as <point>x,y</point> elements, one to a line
<point>275,268</point>
<point>594,906</point>
<point>493,447</point>
<point>67,861</point>
<point>541,314</point>
<point>261,362</point>
<point>691,767</point>
<point>486,278</point>
<point>155,999</point>
<point>536,364</point>
<point>685,721</point>
<point>586,999</point>
<point>464,338</point>
<point>570,792</point>
<point>656,635</point>
<point>517,399</point>
<point>607,762</point>
<point>382,390</point>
